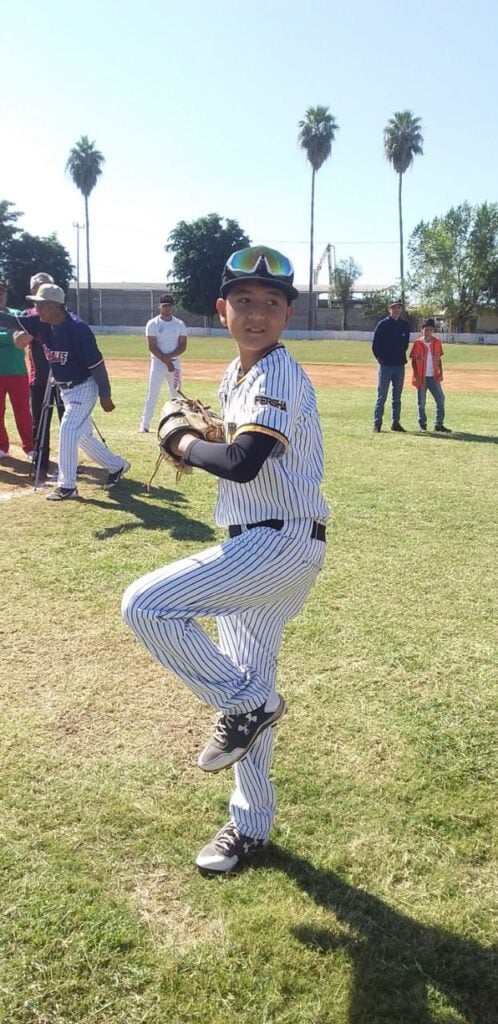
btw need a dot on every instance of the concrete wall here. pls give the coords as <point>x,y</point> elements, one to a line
<point>132,306</point>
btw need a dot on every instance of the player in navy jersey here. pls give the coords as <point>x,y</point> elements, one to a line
<point>77,366</point>
<point>270,500</point>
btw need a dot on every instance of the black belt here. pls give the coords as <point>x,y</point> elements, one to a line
<point>317,529</point>
<point>68,384</point>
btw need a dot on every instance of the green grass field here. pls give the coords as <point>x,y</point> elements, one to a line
<point>376,902</point>
<point>484,357</point>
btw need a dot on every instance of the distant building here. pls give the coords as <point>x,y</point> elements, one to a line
<point>130,304</point>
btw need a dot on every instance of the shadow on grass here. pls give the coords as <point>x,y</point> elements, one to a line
<point>15,471</point>
<point>394,958</point>
<point>148,515</point>
<point>458,436</point>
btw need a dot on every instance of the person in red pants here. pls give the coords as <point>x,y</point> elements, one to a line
<point>14,383</point>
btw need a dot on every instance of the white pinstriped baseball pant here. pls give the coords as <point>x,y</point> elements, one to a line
<point>76,432</point>
<point>253,584</point>
<point>158,374</point>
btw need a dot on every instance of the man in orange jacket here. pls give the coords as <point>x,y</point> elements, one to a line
<point>427,375</point>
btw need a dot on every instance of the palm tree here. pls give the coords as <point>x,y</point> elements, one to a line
<point>317,132</point>
<point>403,140</point>
<point>84,164</point>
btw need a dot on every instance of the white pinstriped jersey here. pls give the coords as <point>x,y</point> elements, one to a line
<point>275,397</point>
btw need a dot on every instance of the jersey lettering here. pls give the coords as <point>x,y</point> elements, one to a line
<point>55,357</point>
<point>276,403</point>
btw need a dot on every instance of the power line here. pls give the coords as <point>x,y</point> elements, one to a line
<point>305,241</point>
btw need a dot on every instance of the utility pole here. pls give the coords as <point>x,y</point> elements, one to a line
<point>78,229</point>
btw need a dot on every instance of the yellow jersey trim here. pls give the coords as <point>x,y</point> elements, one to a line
<point>255,428</point>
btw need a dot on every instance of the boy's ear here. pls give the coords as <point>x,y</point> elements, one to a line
<point>221,310</point>
<point>290,311</point>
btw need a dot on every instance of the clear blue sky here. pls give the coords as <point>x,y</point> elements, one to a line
<point>195,104</point>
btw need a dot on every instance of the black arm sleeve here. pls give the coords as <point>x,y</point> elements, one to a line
<point>240,461</point>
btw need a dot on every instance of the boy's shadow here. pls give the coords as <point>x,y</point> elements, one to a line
<point>149,515</point>
<point>394,958</point>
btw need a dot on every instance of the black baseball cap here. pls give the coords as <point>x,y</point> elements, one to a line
<point>167,299</point>
<point>429,323</point>
<point>261,264</point>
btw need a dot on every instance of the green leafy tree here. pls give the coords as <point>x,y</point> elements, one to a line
<point>200,250</point>
<point>344,276</point>
<point>84,164</point>
<point>317,131</point>
<point>454,261</point>
<point>8,229</point>
<point>376,303</point>
<point>403,140</point>
<point>27,255</point>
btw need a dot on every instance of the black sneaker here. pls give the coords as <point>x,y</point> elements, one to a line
<point>422,427</point>
<point>234,736</point>
<point>376,429</point>
<point>114,478</point>
<point>62,494</point>
<point>227,850</point>
<point>399,428</point>
<point>440,429</point>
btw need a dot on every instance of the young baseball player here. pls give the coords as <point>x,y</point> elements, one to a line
<point>167,340</point>
<point>270,471</point>
<point>77,366</point>
<point>426,358</point>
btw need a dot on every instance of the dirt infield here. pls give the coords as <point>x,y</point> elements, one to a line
<point>333,375</point>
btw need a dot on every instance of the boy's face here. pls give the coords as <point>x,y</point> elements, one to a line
<point>427,333</point>
<point>255,314</point>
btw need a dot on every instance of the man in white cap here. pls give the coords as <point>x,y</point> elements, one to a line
<point>78,369</point>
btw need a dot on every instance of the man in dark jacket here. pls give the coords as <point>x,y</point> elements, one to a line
<point>390,343</point>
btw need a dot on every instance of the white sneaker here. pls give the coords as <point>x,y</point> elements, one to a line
<point>31,456</point>
<point>227,850</point>
<point>143,430</point>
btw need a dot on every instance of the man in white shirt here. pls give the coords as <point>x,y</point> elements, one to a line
<point>167,340</point>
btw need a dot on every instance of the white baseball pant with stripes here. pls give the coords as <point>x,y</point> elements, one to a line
<point>76,432</point>
<point>158,374</point>
<point>253,584</point>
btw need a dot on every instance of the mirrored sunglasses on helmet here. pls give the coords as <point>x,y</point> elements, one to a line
<point>259,263</point>
<point>247,261</point>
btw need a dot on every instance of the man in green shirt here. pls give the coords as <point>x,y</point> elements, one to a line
<point>14,383</point>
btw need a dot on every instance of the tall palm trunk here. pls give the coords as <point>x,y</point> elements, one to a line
<point>88,277</point>
<point>312,233</point>
<point>401,256</point>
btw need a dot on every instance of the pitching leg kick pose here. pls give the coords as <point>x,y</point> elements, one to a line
<point>270,469</point>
